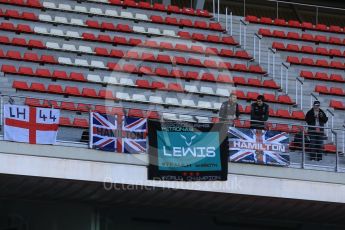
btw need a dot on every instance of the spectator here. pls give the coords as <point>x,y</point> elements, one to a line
<point>316,119</point>
<point>259,113</point>
<point>229,110</point>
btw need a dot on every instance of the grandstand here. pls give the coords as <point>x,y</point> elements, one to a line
<point>169,62</point>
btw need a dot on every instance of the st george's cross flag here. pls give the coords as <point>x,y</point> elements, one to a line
<point>30,124</point>
<point>118,133</point>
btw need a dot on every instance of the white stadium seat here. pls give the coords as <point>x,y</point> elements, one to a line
<point>125,14</point>
<point>139,29</point>
<point>202,119</point>
<point>206,90</point>
<point>60,19</point>
<point>112,13</point>
<point>156,99</point>
<point>81,9</point>
<point>85,49</point>
<point>72,34</point>
<point>191,88</point>
<point>171,101</point>
<point>56,32</point>
<point>45,17</point>
<point>40,30</point>
<point>153,31</point>
<point>141,17</point>
<point>222,92</point>
<point>169,33</point>
<point>94,10</point>
<point>81,62</point>
<point>126,81</point>
<point>123,96</point>
<point>170,116</point>
<point>77,21</point>
<point>49,5</point>
<point>52,45</point>
<point>187,102</point>
<point>110,80</point>
<point>217,105</point>
<point>204,104</point>
<point>97,64</point>
<point>65,7</point>
<point>64,60</point>
<point>69,47</point>
<point>139,97</point>
<point>94,78</point>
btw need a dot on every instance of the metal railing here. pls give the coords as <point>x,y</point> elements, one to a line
<point>300,152</point>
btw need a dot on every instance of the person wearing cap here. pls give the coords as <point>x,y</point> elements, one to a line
<point>259,113</point>
<point>316,118</point>
<point>229,110</point>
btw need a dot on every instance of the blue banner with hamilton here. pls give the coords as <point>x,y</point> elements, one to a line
<point>182,151</point>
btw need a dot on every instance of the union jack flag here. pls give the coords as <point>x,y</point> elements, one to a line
<point>118,133</point>
<point>258,146</point>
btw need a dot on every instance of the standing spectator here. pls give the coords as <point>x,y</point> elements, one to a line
<point>229,110</point>
<point>259,113</point>
<point>316,118</point>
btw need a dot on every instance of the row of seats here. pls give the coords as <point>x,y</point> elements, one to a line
<point>301,37</point>
<point>322,89</point>
<point>159,7</point>
<point>295,24</point>
<point>308,49</point>
<point>170,20</point>
<point>81,107</point>
<point>207,50</point>
<point>27,3</point>
<point>337,105</point>
<point>107,94</point>
<point>32,43</point>
<point>19,28</point>
<point>317,63</point>
<point>281,99</point>
<point>18,15</point>
<point>77,122</point>
<point>322,76</point>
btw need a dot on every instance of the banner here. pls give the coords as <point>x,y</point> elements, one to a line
<point>118,133</point>
<point>187,151</point>
<point>30,124</point>
<point>259,146</point>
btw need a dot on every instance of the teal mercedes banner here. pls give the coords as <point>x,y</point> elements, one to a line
<point>187,151</point>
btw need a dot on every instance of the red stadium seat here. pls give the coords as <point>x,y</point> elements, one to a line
<point>270,84</point>
<point>48,59</point>
<point>307,74</point>
<point>32,102</point>
<point>192,75</point>
<point>282,128</point>
<point>251,18</point>
<point>337,78</point>
<point>173,9</point>
<point>21,85</point>
<point>335,40</point>
<point>284,99</point>
<point>203,13</point>
<point>80,122</point>
<point>163,58</point>
<point>330,148</point>
<point>279,34</point>
<point>254,82</point>
<point>240,94</point>
<point>337,65</point>
<point>224,78</point>
<point>266,20</point>
<point>269,97</point>
<point>143,84</point>
<point>106,94</point>
<point>68,106</point>
<point>88,92</point>
<point>158,6</point>
<point>252,95</point>
<point>194,62</point>
<point>293,35</point>
<point>158,85</point>
<point>321,27</point>
<point>146,70</point>
<point>60,74</point>
<point>321,38</point>
<point>307,49</point>
<point>337,91</point>
<point>175,87</point>
<point>335,52</point>
<point>26,71</point>
<point>307,37</point>
<point>240,67</point>
<point>211,51</point>
<point>294,23</point>
<point>210,64</point>
<point>283,113</point>
<point>208,77</point>
<point>197,49</point>
<point>265,32</point>
<point>322,51</point>
<point>336,104</point>
<point>135,113</point>
<point>36,43</point>
<point>35,86</point>
<point>201,24</point>
<point>321,76</point>
<point>166,45</point>
<point>107,38</point>
<point>72,90</point>
<point>226,53</point>
<point>108,26</point>
<point>29,16</point>
<point>239,80</point>
<point>162,72</point>
<point>55,89</point>
<point>292,60</point>
<point>322,63</point>
<point>307,61</point>
<point>83,107</point>
<point>215,26</point>
<point>65,121</point>
<point>153,115</point>
<point>184,34</point>
<point>336,29</point>
<point>177,73</point>
<point>299,115</point>
<point>180,60</point>
<point>186,22</point>
<point>8,69</point>
<point>321,89</point>
<point>199,37</point>
<point>171,21</point>
<point>255,69</point>
<point>189,11</point>
<point>278,46</point>
<point>117,111</point>
<point>43,72</point>
<point>216,39</point>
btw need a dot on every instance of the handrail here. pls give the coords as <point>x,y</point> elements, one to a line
<point>305,4</point>
<point>301,90</point>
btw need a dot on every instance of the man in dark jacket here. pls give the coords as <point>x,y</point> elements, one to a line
<point>229,110</point>
<point>259,113</point>
<point>316,118</point>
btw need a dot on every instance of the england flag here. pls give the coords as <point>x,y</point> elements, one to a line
<point>30,124</point>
